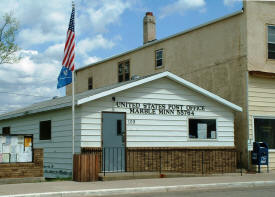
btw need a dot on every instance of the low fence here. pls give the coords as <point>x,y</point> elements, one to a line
<point>86,167</point>
<point>181,160</point>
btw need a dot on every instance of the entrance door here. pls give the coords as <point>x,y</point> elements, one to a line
<point>113,135</point>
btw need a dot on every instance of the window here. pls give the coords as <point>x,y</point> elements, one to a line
<point>202,128</point>
<point>271,42</point>
<point>159,58</point>
<point>124,71</point>
<point>119,127</point>
<point>90,83</point>
<point>45,130</point>
<point>265,131</point>
<point>6,131</point>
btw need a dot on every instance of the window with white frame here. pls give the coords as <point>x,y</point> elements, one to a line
<point>202,129</point>
<point>159,58</point>
<point>264,129</point>
<point>271,42</point>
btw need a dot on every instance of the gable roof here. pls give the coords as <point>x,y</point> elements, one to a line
<point>158,76</point>
<point>94,94</point>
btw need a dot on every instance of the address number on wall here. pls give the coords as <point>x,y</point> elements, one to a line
<point>131,121</point>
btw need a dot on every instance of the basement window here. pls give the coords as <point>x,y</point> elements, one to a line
<point>202,128</point>
<point>45,130</point>
<point>124,71</point>
<point>159,58</point>
<point>271,42</point>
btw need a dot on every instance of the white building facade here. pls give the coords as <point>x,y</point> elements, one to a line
<point>158,111</point>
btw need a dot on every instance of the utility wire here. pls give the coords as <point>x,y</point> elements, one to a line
<point>24,94</point>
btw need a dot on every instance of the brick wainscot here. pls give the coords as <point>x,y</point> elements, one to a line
<point>22,170</point>
<point>208,160</point>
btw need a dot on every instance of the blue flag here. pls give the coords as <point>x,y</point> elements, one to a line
<point>65,77</point>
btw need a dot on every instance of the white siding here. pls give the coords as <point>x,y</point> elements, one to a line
<point>148,130</point>
<point>58,150</point>
<point>261,103</point>
<point>158,130</point>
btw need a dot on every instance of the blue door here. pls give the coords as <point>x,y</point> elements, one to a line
<point>113,136</point>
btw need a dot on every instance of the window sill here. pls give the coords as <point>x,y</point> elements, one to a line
<point>46,140</point>
<point>201,140</point>
<point>159,67</point>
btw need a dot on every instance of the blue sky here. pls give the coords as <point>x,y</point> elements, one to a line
<point>103,28</point>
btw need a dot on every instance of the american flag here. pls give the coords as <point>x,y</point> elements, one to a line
<point>69,54</point>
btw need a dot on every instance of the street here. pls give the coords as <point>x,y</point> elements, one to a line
<point>239,192</point>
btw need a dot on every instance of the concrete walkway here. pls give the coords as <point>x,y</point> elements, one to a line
<point>70,188</point>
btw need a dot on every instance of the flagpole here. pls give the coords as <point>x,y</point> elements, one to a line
<point>73,109</point>
<point>73,113</point>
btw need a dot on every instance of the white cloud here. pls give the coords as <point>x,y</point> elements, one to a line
<point>91,60</point>
<point>55,52</point>
<point>27,77</point>
<point>40,21</point>
<point>102,14</point>
<point>87,45</point>
<point>34,36</point>
<point>43,26</point>
<point>181,6</point>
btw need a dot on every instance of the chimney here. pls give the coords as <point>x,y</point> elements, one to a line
<point>149,28</point>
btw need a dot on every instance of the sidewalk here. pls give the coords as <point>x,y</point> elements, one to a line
<point>70,188</point>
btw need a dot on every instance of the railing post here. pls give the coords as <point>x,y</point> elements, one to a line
<point>159,161</point>
<point>202,162</point>
<point>241,164</point>
<point>104,155</point>
<point>133,162</point>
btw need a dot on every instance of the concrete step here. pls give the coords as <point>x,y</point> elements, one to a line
<point>21,180</point>
<point>111,176</point>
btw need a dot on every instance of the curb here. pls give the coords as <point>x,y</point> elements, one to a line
<point>155,189</point>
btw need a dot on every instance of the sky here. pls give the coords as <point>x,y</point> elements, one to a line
<point>103,28</point>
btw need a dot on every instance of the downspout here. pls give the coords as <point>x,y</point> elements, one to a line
<point>246,81</point>
<point>247,117</point>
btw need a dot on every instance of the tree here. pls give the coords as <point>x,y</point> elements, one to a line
<point>8,47</point>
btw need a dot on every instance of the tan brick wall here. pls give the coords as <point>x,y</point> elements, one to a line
<point>21,170</point>
<point>186,160</point>
<point>200,160</point>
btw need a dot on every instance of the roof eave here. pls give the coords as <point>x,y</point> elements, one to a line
<point>30,112</point>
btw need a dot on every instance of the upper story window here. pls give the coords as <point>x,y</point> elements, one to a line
<point>6,131</point>
<point>124,71</point>
<point>271,42</point>
<point>159,58</point>
<point>45,130</point>
<point>202,128</point>
<point>90,83</point>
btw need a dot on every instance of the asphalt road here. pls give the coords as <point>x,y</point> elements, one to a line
<point>236,192</point>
